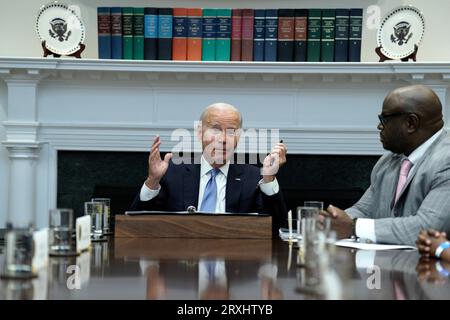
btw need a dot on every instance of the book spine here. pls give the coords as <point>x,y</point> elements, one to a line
<point>327,39</point>
<point>165,28</point>
<point>223,39</point>
<point>138,33</point>
<point>116,33</point>
<point>285,35</point>
<point>341,36</point>
<point>300,34</point>
<point>179,43</point>
<point>247,35</point>
<point>314,33</point>
<point>209,34</point>
<point>236,34</point>
<point>259,30</point>
<point>195,29</point>
<point>354,49</point>
<point>104,32</point>
<point>127,24</point>
<point>151,33</point>
<point>271,35</point>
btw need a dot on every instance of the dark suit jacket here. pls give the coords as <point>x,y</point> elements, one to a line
<point>180,186</point>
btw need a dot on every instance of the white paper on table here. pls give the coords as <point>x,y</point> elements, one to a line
<point>350,243</point>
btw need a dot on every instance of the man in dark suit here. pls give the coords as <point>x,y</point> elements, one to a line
<point>216,184</point>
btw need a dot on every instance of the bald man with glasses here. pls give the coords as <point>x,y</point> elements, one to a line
<point>410,185</point>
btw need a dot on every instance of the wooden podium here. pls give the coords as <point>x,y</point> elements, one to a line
<point>209,226</point>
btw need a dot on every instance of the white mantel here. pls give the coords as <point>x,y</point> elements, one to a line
<point>48,105</point>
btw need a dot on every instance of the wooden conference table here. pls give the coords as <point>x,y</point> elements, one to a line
<point>146,268</point>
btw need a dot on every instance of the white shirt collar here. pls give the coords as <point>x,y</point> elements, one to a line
<point>417,154</point>
<point>205,167</point>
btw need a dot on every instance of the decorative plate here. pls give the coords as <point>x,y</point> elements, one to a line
<point>60,27</point>
<point>401,29</point>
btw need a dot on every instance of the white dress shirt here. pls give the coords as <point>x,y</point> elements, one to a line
<point>365,228</point>
<point>269,188</point>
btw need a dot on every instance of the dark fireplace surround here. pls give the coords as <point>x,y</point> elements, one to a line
<point>337,180</point>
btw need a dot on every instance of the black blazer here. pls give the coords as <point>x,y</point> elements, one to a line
<point>180,185</point>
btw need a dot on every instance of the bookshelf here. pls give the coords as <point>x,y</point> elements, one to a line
<point>23,42</point>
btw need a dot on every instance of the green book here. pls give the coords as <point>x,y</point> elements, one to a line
<point>209,35</point>
<point>314,33</point>
<point>138,33</point>
<point>327,40</point>
<point>127,32</point>
<point>223,38</point>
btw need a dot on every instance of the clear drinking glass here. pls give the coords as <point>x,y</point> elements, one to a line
<point>106,214</point>
<point>305,212</point>
<point>19,250</point>
<point>61,227</point>
<point>95,210</point>
<point>314,204</point>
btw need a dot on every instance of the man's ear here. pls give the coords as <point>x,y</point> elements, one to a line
<point>238,136</point>
<point>413,122</point>
<point>199,131</point>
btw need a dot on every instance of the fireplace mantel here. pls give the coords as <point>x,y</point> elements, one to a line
<point>68,104</point>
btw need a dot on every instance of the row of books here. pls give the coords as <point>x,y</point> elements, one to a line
<point>207,34</point>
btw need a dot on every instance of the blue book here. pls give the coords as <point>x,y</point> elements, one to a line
<point>104,32</point>
<point>259,32</point>
<point>354,47</point>
<point>165,33</point>
<point>150,33</point>
<point>271,35</point>
<point>341,36</point>
<point>116,32</point>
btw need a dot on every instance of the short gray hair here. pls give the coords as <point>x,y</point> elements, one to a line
<point>222,106</point>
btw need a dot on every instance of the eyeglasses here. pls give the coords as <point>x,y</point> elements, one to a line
<point>383,117</point>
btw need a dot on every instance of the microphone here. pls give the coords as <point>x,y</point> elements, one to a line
<point>191,209</point>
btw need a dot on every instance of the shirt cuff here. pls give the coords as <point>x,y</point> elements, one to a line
<point>365,229</point>
<point>269,188</point>
<point>148,194</point>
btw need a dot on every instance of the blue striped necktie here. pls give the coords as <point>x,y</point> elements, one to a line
<point>210,193</point>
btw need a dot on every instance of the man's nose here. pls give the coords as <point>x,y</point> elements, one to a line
<point>380,126</point>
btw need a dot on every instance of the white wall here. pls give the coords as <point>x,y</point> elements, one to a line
<point>19,38</point>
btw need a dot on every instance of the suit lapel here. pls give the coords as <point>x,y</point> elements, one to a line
<point>233,189</point>
<point>191,184</point>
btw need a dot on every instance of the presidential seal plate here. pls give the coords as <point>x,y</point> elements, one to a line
<point>400,31</point>
<point>61,28</point>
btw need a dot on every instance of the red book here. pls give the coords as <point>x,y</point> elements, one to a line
<point>285,35</point>
<point>236,34</point>
<point>247,35</point>
<point>194,38</point>
<point>179,40</point>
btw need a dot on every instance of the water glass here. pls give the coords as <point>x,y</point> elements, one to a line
<point>61,227</point>
<point>314,204</point>
<point>106,214</point>
<point>95,210</point>
<point>19,251</point>
<point>305,212</point>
